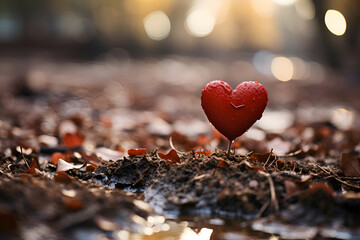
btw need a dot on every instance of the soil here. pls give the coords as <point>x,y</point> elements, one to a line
<point>303,181</point>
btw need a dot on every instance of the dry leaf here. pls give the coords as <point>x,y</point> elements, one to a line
<point>73,203</point>
<point>64,166</point>
<point>223,164</point>
<point>320,188</point>
<point>34,164</point>
<point>62,177</point>
<point>136,152</point>
<point>350,165</point>
<point>56,156</point>
<point>90,168</point>
<point>73,139</point>
<point>172,156</point>
<point>31,170</point>
<point>263,157</point>
<point>92,159</point>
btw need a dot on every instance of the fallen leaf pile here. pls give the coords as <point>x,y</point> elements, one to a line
<point>89,156</point>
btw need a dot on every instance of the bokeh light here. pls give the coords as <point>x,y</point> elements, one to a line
<point>157,25</point>
<point>284,2</point>
<point>264,8</point>
<point>342,118</point>
<point>200,22</point>
<point>262,61</point>
<point>335,22</point>
<point>305,9</point>
<point>301,68</point>
<point>282,68</point>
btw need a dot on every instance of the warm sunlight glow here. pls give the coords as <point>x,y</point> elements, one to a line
<point>200,22</point>
<point>264,8</point>
<point>301,68</point>
<point>305,9</point>
<point>335,22</point>
<point>157,25</point>
<point>284,2</point>
<point>282,68</point>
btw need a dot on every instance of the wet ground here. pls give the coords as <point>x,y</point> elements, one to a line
<point>120,149</point>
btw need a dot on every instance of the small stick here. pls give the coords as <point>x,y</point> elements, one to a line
<point>274,201</point>
<point>25,160</point>
<point>267,160</point>
<point>229,148</point>
<point>262,209</point>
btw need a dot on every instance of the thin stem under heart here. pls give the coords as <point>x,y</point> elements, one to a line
<point>229,148</point>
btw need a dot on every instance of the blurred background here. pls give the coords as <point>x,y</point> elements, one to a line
<point>325,31</point>
<point>158,55</point>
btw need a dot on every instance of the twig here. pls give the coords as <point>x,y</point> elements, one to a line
<point>216,149</point>
<point>27,164</point>
<point>172,146</point>
<point>268,157</point>
<point>351,178</point>
<point>346,183</point>
<point>262,209</point>
<point>274,201</point>
<point>334,175</point>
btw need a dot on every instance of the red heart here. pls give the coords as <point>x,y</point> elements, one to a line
<point>233,112</point>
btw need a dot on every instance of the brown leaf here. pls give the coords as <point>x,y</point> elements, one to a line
<point>56,156</point>
<point>34,163</point>
<point>73,203</point>
<point>73,139</point>
<point>350,165</point>
<point>320,188</point>
<point>136,152</point>
<point>63,177</point>
<point>31,170</point>
<point>263,157</point>
<point>90,168</point>
<point>223,164</point>
<point>172,156</point>
<point>91,158</point>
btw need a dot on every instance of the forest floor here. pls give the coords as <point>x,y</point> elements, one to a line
<point>122,150</point>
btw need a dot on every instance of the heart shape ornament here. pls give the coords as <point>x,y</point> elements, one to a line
<point>233,112</point>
